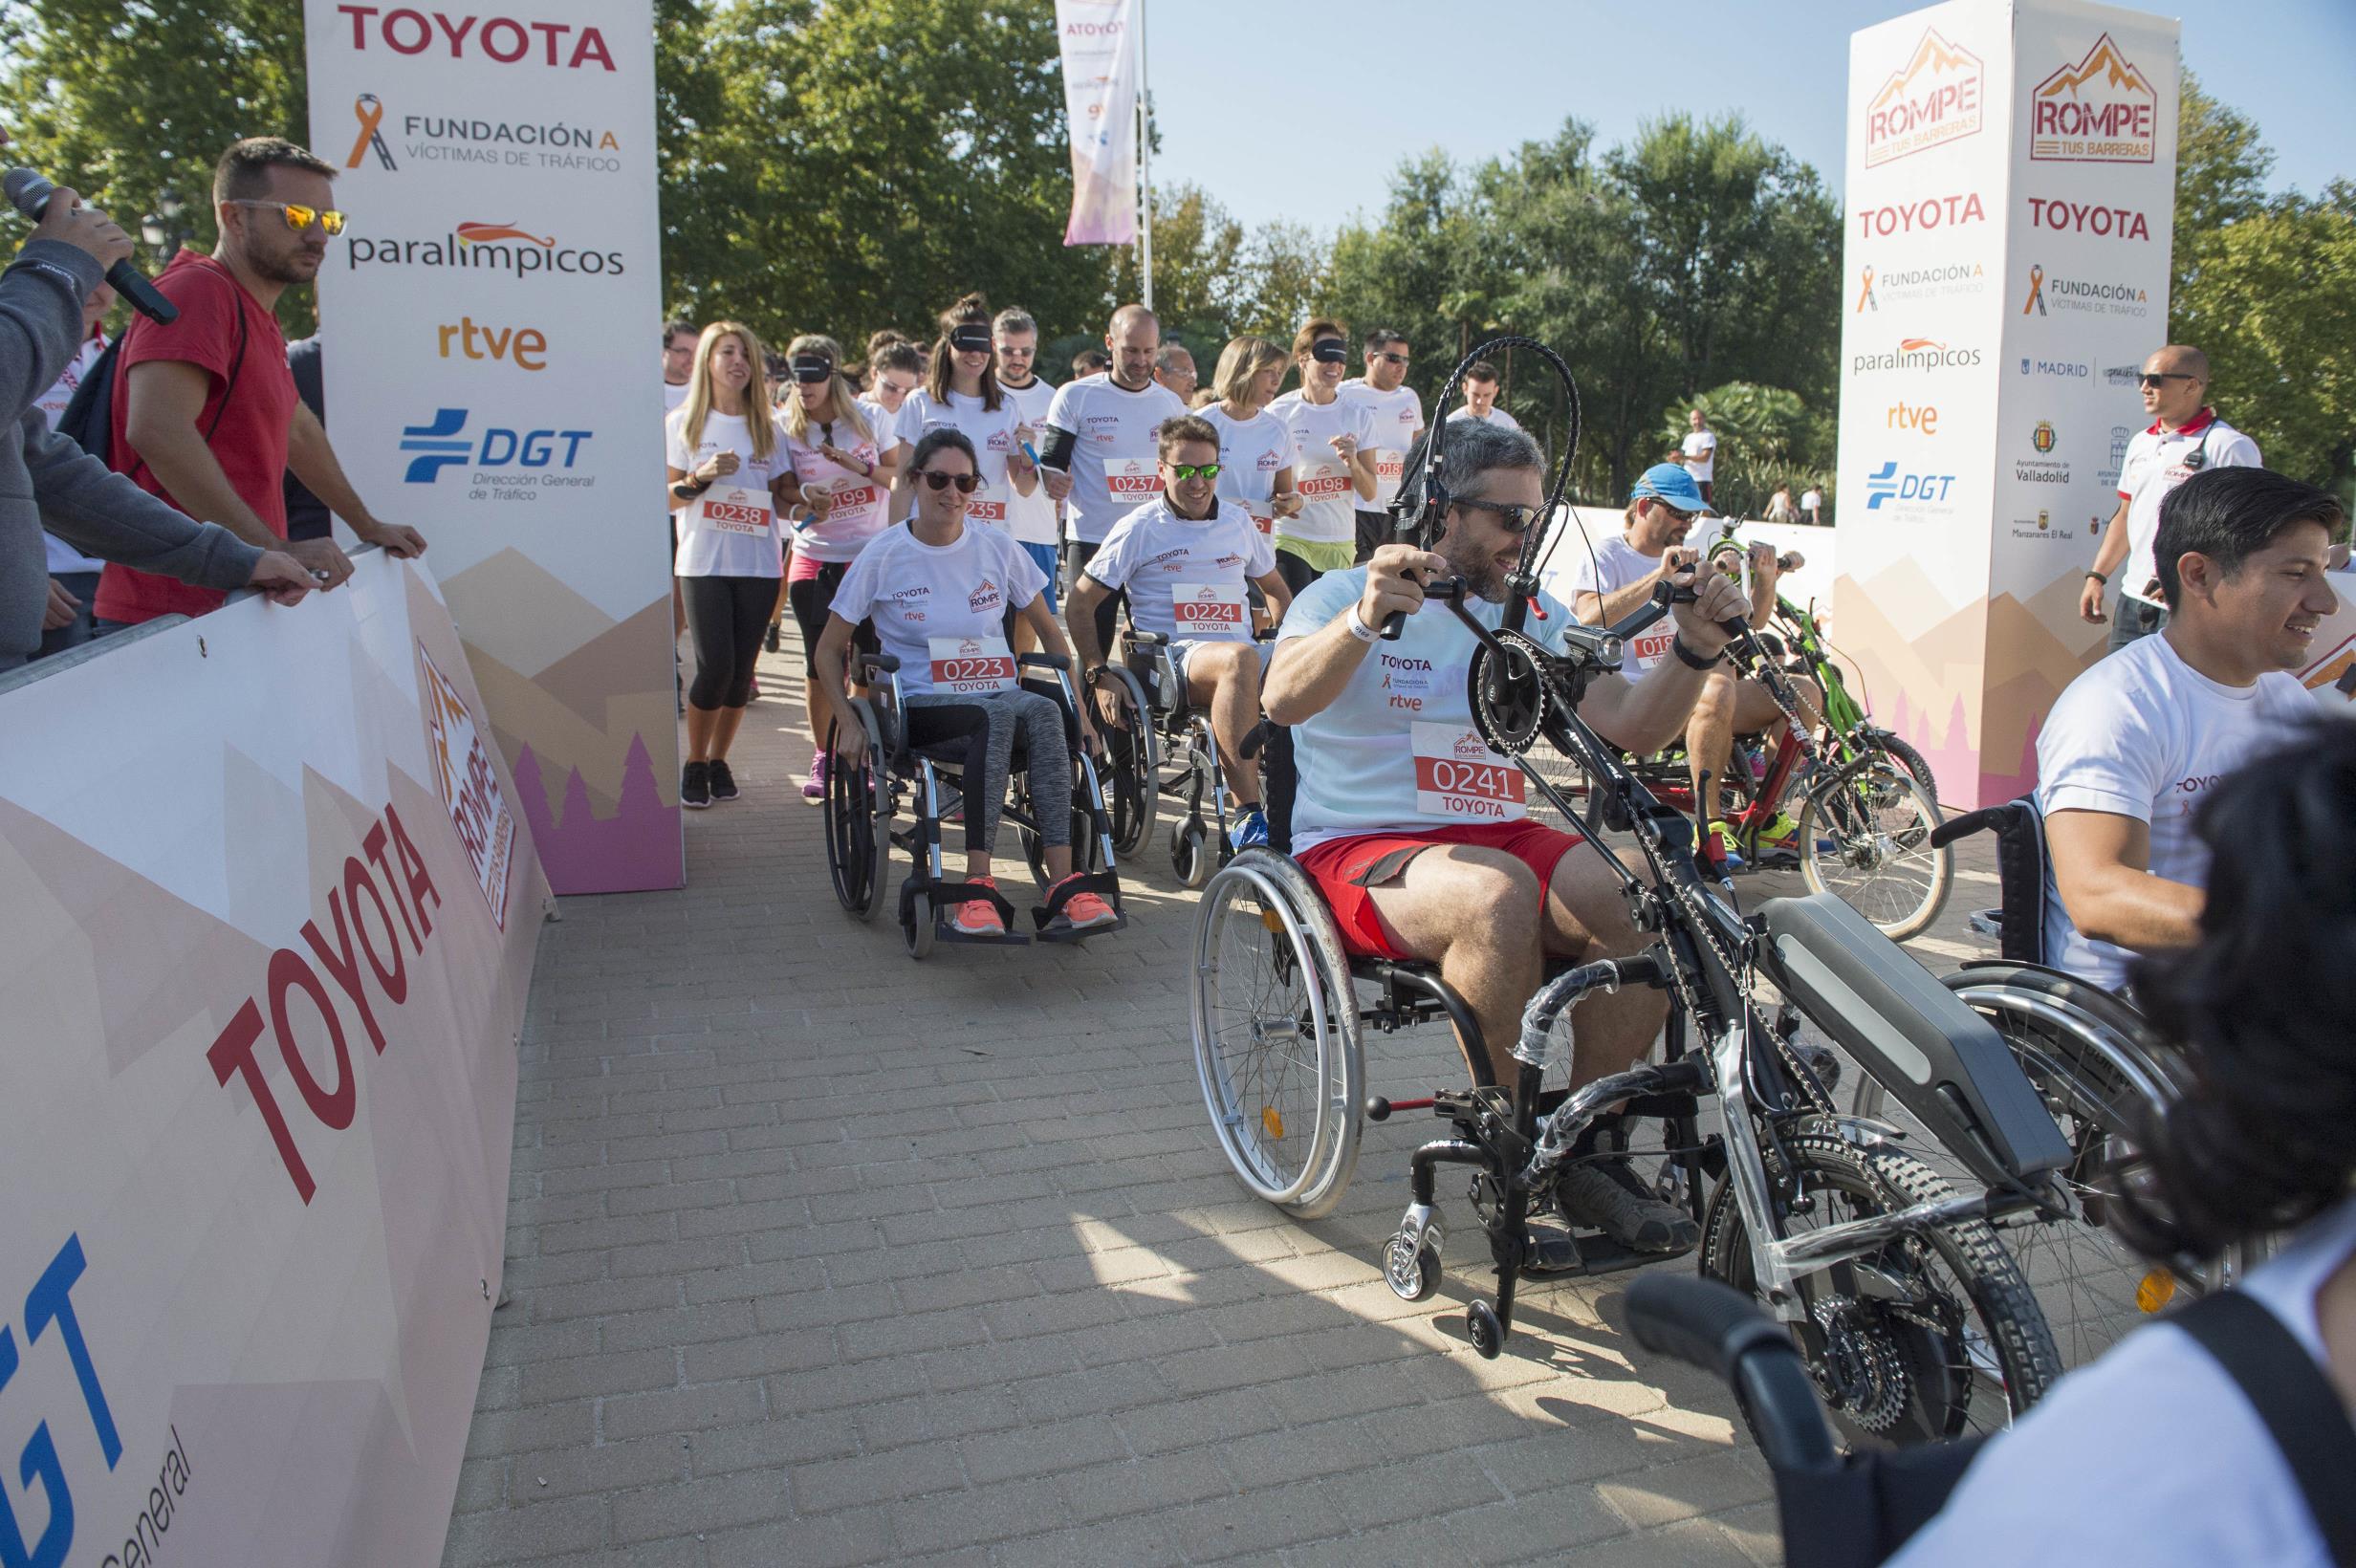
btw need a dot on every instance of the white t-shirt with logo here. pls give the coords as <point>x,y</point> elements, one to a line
<point>2144,734</point>
<point>939,604</point>
<point>1325,484</point>
<point>733,529</point>
<point>1114,467</point>
<point>855,502</point>
<point>1701,453</point>
<point>1186,580</point>
<point>1617,565</point>
<point>61,555</point>
<point>1396,752</point>
<point>1497,416</point>
<point>2156,463</point>
<point>994,441</point>
<point>1251,453</point>
<point>1398,414</point>
<point>1032,519</point>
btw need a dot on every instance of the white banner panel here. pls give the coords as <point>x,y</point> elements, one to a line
<point>264,953</point>
<point>1099,96</point>
<point>490,314</point>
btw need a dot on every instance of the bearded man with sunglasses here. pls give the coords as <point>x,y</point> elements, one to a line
<point>206,415</point>
<point>1418,836</point>
<point>2185,437</point>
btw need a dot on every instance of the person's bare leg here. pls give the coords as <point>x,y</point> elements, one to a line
<point>1710,738</point>
<point>1225,678</point>
<point>815,707</point>
<point>1466,908</point>
<point>1587,919</point>
<point>724,727</point>
<point>701,723</point>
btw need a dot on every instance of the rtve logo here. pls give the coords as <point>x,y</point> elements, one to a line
<point>1915,416</point>
<point>441,445</point>
<point>526,348</point>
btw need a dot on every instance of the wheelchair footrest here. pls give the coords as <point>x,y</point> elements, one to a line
<point>1555,1254</point>
<point>946,896</point>
<point>1104,884</point>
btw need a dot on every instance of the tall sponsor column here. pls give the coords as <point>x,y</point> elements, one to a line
<point>490,314</point>
<point>1919,392</point>
<point>2091,220</point>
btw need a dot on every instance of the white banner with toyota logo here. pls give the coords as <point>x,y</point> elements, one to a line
<point>490,318</point>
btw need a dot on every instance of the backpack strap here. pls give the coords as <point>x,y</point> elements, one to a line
<point>2298,1403</point>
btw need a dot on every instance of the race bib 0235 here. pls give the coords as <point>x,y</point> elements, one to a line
<point>1459,778</point>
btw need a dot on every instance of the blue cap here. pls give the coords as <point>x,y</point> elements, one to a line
<point>1673,483</point>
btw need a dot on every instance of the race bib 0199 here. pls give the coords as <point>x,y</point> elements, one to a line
<point>1208,609</point>
<point>1460,779</point>
<point>970,664</point>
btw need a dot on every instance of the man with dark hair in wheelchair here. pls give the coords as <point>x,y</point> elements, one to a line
<point>2136,742</point>
<point>1415,833</point>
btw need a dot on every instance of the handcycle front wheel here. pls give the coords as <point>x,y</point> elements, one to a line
<point>1864,837</point>
<point>1276,1041</point>
<point>1961,1348</point>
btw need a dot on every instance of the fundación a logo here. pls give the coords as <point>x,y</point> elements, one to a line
<point>2083,295</point>
<point>437,138</point>
<point>509,465</point>
<point>1932,99</point>
<point>2102,110</point>
<point>1939,279</point>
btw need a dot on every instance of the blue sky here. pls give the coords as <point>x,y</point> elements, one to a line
<point>1258,105</point>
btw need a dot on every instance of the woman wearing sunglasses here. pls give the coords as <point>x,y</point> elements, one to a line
<point>841,472</point>
<point>1255,447</point>
<point>727,468</point>
<point>938,593</point>
<point>1333,459</point>
<point>961,393</point>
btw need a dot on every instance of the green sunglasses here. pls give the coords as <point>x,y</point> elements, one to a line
<point>1193,471</point>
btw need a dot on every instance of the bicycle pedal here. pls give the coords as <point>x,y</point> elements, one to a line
<point>1552,1253</point>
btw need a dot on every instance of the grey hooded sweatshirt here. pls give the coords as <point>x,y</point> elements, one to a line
<point>47,479</point>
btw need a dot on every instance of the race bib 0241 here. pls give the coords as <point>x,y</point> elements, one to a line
<point>970,664</point>
<point>1460,779</point>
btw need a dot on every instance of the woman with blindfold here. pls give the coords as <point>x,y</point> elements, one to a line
<point>841,473</point>
<point>961,393</point>
<point>1333,459</point>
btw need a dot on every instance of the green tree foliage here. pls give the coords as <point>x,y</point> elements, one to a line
<point>1766,437</point>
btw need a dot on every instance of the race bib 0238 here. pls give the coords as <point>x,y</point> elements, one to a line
<point>1460,779</point>
<point>970,664</point>
<point>737,510</point>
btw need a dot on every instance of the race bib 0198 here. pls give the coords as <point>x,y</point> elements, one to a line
<point>1322,481</point>
<point>970,664</point>
<point>1459,779</point>
<point>1208,609</point>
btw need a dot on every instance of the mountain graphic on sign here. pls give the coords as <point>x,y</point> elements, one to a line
<point>1935,57</point>
<point>2103,62</point>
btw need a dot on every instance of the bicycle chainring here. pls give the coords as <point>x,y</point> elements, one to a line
<point>1508,695</point>
<point>1863,1367</point>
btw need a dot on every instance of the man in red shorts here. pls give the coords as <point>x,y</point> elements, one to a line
<point>1416,833</point>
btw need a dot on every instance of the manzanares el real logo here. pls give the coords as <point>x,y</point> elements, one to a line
<point>499,455</point>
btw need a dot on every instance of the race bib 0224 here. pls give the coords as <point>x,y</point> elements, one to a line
<point>1208,609</point>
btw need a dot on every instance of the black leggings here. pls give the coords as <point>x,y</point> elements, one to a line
<point>725,618</point>
<point>812,598</point>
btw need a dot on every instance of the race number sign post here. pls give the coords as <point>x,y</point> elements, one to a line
<point>499,169</point>
<point>2011,190</point>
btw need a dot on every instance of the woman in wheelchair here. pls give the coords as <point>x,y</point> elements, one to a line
<point>939,594</point>
<point>1186,559</point>
<point>1415,833</point>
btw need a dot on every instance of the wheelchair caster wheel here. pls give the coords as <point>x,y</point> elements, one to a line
<point>918,932</point>
<point>1190,853</point>
<point>1480,1322</point>
<point>1411,1272</point>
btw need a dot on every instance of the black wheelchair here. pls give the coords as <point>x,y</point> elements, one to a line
<point>864,804</point>
<point>1159,742</point>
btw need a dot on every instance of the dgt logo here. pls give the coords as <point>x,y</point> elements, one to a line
<point>49,1304</point>
<point>1887,484</point>
<point>441,445</point>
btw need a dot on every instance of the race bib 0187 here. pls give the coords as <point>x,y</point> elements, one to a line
<point>1208,609</point>
<point>1648,648</point>
<point>970,664</point>
<point>1459,779</point>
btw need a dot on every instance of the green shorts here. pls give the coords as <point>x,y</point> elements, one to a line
<point>1325,555</point>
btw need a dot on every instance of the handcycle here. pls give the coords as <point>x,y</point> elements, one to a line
<point>1159,742</point>
<point>862,805</point>
<point>1912,1318</point>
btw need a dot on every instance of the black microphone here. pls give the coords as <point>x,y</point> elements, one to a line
<point>30,193</point>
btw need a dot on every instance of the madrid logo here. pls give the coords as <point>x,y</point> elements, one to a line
<point>2102,110</point>
<point>1932,100</point>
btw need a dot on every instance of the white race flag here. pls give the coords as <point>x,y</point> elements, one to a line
<point>1099,92</point>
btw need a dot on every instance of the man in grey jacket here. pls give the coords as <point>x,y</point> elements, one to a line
<point>46,478</point>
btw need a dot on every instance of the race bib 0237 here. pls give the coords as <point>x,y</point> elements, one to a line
<point>1132,479</point>
<point>970,664</point>
<point>1460,779</point>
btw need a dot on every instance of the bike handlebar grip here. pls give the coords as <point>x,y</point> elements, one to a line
<point>1964,826</point>
<point>1448,592</point>
<point>1699,1322</point>
<point>1393,624</point>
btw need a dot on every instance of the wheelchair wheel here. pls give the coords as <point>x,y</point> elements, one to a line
<point>1128,771</point>
<point>1276,1038</point>
<point>917,929</point>
<point>1864,837</point>
<point>1960,1347</point>
<point>858,821</point>
<point>2098,1073</point>
<point>1191,853</point>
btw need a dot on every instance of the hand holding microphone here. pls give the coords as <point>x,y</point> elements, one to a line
<point>91,231</point>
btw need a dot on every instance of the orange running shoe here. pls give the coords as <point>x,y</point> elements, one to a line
<point>977,917</point>
<point>1081,911</point>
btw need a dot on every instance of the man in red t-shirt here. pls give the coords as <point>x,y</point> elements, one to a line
<point>204,410</point>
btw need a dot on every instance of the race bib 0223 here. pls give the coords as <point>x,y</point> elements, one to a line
<point>970,664</point>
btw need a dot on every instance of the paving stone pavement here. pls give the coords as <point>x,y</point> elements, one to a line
<point>817,1255</point>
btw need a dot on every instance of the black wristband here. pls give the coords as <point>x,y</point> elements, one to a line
<point>2099,577</point>
<point>1692,660</point>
